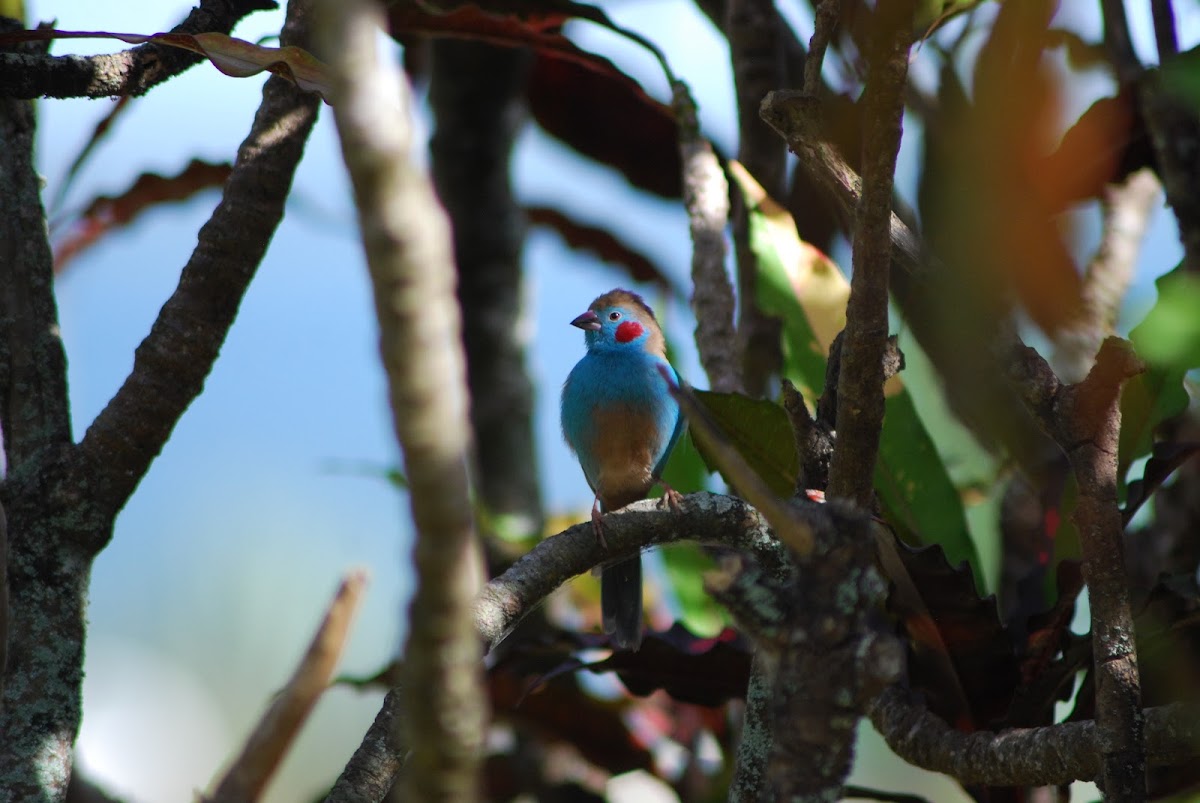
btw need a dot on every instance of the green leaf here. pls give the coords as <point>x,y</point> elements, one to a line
<point>761,433</point>
<point>1170,333</point>
<point>686,470</point>
<point>686,564</point>
<point>1181,76</point>
<point>807,291</point>
<point>1162,340</point>
<point>915,490</point>
<point>796,283</point>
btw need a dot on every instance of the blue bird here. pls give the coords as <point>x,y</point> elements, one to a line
<point>620,419</point>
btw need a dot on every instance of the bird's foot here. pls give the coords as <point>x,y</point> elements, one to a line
<point>671,498</point>
<point>598,524</point>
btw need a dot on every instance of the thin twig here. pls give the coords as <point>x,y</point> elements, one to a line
<point>281,722</point>
<point>825,21</point>
<point>1165,37</point>
<point>129,73</point>
<point>1127,207</point>
<point>860,383</point>
<point>1119,42</point>
<point>706,197</point>
<point>407,240</point>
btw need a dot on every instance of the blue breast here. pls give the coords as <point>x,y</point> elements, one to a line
<point>616,408</point>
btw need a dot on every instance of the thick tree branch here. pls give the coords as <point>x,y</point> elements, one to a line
<point>130,72</point>
<point>477,94</point>
<point>171,364</point>
<point>61,501</point>
<point>1085,420</point>
<point>33,370</point>
<point>860,382</point>
<point>407,240</point>
<point>1046,756</point>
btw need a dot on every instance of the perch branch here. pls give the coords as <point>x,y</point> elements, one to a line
<point>1172,733</point>
<point>171,364</point>
<point>131,72</point>
<point>1085,420</point>
<point>702,517</point>
<point>407,240</point>
<point>281,722</point>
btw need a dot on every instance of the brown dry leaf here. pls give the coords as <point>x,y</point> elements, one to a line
<point>232,56</point>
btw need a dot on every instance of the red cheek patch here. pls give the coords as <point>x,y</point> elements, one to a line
<point>629,330</point>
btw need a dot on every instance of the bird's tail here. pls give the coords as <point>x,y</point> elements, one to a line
<point>621,602</point>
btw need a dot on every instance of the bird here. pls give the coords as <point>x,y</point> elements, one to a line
<point>621,421</point>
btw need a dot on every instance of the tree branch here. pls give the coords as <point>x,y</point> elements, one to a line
<point>1085,419</point>
<point>131,72</point>
<point>1047,756</point>
<point>918,736</point>
<point>407,240</point>
<point>796,116</point>
<point>706,197</point>
<point>1174,126</point>
<point>33,370</point>
<point>825,20</point>
<point>281,722</point>
<point>706,518</point>
<point>477,94</point>
<point>171,364</point>
<point>756,52</point>
<point>373,768</point>
<point>860,382</point>
<point>1165,37</point>
<point>1127,207</point>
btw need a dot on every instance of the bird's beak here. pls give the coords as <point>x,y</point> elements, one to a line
<point>588,320</point>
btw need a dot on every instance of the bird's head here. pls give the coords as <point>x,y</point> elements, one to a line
<point>621,320</point>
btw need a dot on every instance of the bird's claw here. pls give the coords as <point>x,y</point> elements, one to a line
<point>598,525</point>
<point>671,498</point>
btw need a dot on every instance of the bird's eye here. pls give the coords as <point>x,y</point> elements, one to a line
<point>614,316</point>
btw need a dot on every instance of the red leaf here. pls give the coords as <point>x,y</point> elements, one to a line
<point>600,242</point>
<point>704,671</point>
<point>150,189</point>
<point>608,117</point>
